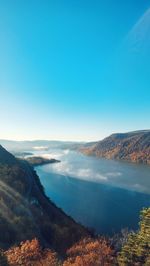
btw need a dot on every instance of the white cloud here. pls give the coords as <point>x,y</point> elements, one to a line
<point>38,148</point>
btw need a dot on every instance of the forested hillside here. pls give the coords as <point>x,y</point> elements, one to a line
<point>25,211</point>
<point>132,146</point>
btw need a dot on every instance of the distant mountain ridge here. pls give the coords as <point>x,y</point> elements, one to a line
<point>32,145</point>
<point>132,146</point>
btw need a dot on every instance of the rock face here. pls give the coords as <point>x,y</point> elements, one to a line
<point>26,212</point>
<point>132,146</point>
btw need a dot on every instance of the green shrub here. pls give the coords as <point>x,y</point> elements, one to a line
<point>136,251</point>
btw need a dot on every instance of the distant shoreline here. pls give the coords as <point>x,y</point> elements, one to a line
<point>38,161</point>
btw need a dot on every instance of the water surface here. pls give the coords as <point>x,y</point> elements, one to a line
<point>103,194</point>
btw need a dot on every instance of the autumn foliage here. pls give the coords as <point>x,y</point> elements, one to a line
<point>89,252</point>
<point>30,253</point>
<point>135,251</point>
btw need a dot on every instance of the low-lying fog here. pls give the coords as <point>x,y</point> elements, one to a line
<point>119,174</point>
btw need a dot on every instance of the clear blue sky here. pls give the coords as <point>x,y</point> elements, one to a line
<point>74,69</point>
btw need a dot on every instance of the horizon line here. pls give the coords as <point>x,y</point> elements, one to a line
<point>65,140</point>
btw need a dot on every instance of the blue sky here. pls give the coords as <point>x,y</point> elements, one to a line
<point>74,70</point>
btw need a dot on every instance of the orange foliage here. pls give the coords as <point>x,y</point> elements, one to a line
<point>29,253</point>
<point>89,252</point>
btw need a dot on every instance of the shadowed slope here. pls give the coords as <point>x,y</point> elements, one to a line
<point>26,212</point>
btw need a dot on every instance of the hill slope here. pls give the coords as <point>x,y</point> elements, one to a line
<point>25,211</point>
<point>132,146</point>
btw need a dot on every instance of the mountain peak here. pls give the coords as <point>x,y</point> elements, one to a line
<point>6,157</point>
